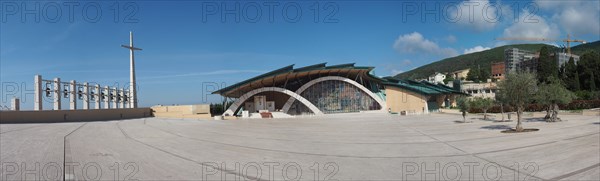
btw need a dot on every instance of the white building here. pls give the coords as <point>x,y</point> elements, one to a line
<point>485,90</point>
<point>437,78</point>
<point>520,60</point>
<point>562,58</point>
<point>513,57</point>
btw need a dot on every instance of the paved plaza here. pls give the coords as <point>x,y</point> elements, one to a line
<point>354,146</point>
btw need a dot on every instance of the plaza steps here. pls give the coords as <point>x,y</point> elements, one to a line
<point>272,114</point>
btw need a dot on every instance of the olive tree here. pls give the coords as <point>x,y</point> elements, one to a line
<point>518,89</point>
<point>483,104</point>
<point>500,99</point>
<point>462,103</point>
<point>551,94</point>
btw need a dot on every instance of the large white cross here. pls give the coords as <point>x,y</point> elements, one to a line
<point>132,84</point>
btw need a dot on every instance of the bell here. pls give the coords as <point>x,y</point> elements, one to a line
<point>47,92</point>
<point>92,96</point>
<point>80,94</point>
<point>48,89</point>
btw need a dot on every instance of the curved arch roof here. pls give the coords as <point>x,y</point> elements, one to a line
<point>282,75</point>
<point>289,75</point>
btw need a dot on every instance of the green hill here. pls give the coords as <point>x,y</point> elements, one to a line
<point>582,48</point>
<point>483,59</point>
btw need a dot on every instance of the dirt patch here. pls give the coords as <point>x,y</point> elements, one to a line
<point>493,127</point>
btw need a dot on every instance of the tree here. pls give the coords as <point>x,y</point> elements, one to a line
<point>592,82</point>
<point>484,74</point>
<point>483,104</point>
<point>561,72</point>
<point>551,94</point>
<point>500,99</point>
<point>448,78</point>
<point>463,105</point>
<point>571,76</point>
<point>519,89</point>
<point>588,68</point>
<point>547,67</point>
<point>477,74</point>
<point>473,75</point>
<point>219,108</point>
<point>474,103</point>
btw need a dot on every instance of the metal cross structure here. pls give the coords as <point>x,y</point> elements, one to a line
<point>119,98</point>
<point>132,84</point>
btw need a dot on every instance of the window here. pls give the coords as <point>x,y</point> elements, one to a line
<point>334,96</point>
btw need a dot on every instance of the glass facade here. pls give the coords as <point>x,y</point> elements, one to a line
<point>335,96</point>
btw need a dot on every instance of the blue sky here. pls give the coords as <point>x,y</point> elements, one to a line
<point>187,44</point>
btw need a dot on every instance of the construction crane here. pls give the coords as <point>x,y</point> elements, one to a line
<point>568,40</point>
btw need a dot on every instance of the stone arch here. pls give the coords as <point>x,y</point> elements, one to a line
<point>288,104</point>
<point>236,105</point>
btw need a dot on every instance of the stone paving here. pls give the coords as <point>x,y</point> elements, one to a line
<point>354,146</point>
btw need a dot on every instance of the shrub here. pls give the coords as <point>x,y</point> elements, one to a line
<point>580,104</point>
<point>535,108</point>
<point>588,95</point>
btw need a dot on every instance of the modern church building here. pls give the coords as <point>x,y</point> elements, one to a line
<point>321,89</point>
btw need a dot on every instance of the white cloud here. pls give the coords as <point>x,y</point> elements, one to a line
<point>475,49</point>
<point>450,39</point>
<point>576,17</point>
<point>478,15</point>
<point>578,21</point>
<point>532,26</point>
<point>552,5</point>
<point>416,43</point>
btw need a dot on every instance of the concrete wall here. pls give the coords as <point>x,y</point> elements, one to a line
<point>51,116</point>
<point>398,100</point>
<point>591,112</point>
<point>182,111</point>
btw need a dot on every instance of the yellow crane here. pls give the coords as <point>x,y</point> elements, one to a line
<point>568,40</point>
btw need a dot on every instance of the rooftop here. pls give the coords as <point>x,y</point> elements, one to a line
<point>290,75</point>
<point>282,76</point>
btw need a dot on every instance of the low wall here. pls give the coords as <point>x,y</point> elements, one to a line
<point>586,112</point>
<point>591,112</point>
<point>199,111</point>
<point>51,116</point>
